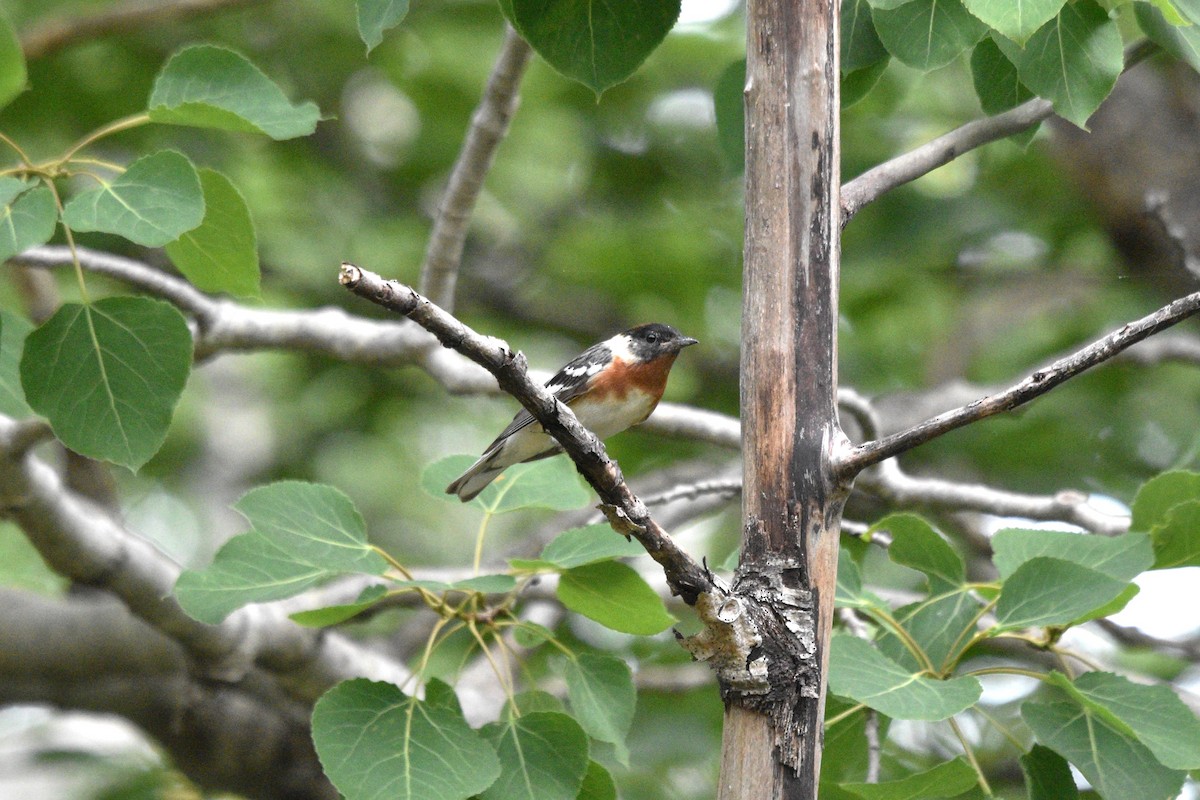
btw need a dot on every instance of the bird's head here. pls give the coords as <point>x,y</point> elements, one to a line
<point>650,341</point>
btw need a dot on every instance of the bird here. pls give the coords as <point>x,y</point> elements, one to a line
<point>611,386</point>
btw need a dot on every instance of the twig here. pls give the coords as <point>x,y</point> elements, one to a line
<point>878,180</point>
<point>92,549</point>
<point>625,511</point>
<point>870,718</point>
<point>1187,648</point>
<point>854,460</point>
<point>891,483</point>
<point>439,272</point>
<point>56,33</point>
<point>721,487</point>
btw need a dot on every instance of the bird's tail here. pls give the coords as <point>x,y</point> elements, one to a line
<point>475,479</point>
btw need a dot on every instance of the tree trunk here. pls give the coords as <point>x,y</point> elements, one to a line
<point>791,504</point>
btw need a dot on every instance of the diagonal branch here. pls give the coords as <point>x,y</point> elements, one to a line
<point>854,460</point>
<point>57,33</point>
<point>627,514</point>
<point>877,181</point>
<point>439,272</point>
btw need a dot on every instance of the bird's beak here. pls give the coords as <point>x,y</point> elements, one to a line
<point>686,340</point>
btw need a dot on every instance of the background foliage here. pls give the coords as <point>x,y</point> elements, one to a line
<point>602,212</point>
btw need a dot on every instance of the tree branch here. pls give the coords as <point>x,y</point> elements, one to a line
<point>88,652</point>
<point>877,181</point>
<point>224,325</point>
<point>57,33</point>
<point>439,272</point>
<point>849,462</point>
<point>83,543</point>
<point>626,513</point>
<point>891,483</point>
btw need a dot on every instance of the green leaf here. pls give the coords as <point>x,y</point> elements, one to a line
<point>377,16</point>
<point>550,483</point>
<point>600,688</point>
<point>597,44</point>
<point>858,84</point>
<point>1155,714</point>
<point>531,701</point>
<point>543,756</point>
<point>858,671</point>
<point>614,595</point>
<point>1120,557</point>
<point>27,218</point>
<point>850,593</point>
<point>887,5</point>
<point>861,47</point>
<point>1177,538</point>
<point>486,584</point>
<point>587,545</point>
<point>334,615</point>
<point>927,34</point>
<point>940,626</point>
<point>1073,61</point>
<point>1051,591</point>
<point>153,202</point>
<point>1159,495</point>
<point>221,255</point>
<point>945,780</point>
<point>1173,15</point>
<point>301,534</point>
<point>15,329</point>
<point>205,86</point>
<point>530,634</point>
<point>377,743</point>
<point>597,784</point>
<point>1048,775</point>
<point>108,375</point>
<point>12,63</point>
<point>1015,19</point>
<point>997,84</point>
<point>1181,42</point>
<point>730,108</point>
<point>1116,765</point>
<point>917,545</point>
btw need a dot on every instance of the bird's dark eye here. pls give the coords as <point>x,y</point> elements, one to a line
<point>651,337</point>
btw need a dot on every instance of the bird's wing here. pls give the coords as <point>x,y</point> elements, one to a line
<point>566,385</point>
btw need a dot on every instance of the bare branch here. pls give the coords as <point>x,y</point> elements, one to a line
<point>626,512</point>
<point>489,124</point>
<point>83,543</point>
<point>878,180</point>
<point>891,483</point>
<point>56,33</point>
<point>223,325</point>
<point>854,460</point>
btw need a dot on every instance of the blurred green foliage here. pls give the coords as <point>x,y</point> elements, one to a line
<point>599,214</point>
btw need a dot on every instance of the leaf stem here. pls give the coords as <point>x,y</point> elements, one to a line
<point>25,159</point>
<point>849,712</point>
<point>113,127</point>
<point>970,754</point>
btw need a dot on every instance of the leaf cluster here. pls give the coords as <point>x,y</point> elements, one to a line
<point>929,660</point>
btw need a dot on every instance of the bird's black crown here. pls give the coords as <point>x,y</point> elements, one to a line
<point>656,339</point>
